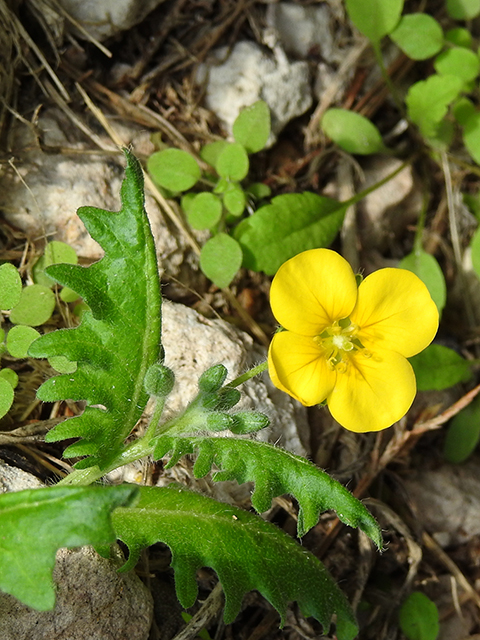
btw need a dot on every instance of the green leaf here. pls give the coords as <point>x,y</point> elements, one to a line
<point>462,110</point>
<point>6,399</point>
<point>428,100</point>
<point>10,376</point>
<point>204,211</point>
<point>252,126</point>
<point>275,472</point>
<point>173,169</point>
<point>407,36</point>
<point>463,9</point>
<point>438,367</point>
<point>292,223</point>
<point>418,617</point>
<point>426,267</point>
<point>62,364</point>
<point>245,551</point>
<point>259,190</point>
<point>375,18</point>
<point>232,163</point>
<point>463,433</point>
<point>19,340</point>
<point>352,132</point>
<point>460,37</point>
<point>459,62</point>
<point>471,136</point>
<point>35,306</point>
<point>68,295</point>
<point>55,252</point>
<point>38,522</point>
<point>220,259</point>
<point>234,200</point>
<point>210,152</point>
<point>10,286</point>
<point>118,339</point>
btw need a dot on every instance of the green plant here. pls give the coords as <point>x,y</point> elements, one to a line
<point>119,365</point>
<point>418,617</point>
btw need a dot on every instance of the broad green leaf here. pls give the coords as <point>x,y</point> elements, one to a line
<point>173,169</point>
<point>459,62</point>
<point>252,126</point>
<point>292,223</point>
<point>245,551</point>
<point>204,211</point>
<point>463,433</point>
<point>10,286</point>
<point>38,522</point>
<point>426,267</point>
<point>119,337</point>
<point>6,399</point>
<point>352,132</point>
<point>220,259</point>
<point>10,376</point>
<point>460,37</point>
<point>375,18</point>
<point>418,617</point>
<point>35,306</point>
<point>55,252</point>
<point>275,472</point>
<point>212,150</point>
<point>19,339</point>
<point>438,367</point>
<point>463,9</point>
<point>428,100</point>
<point>471,137</point>
<point>232,162</point>
<point>418,35</point>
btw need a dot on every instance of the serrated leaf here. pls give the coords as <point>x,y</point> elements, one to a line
<point>245,551</point>
<point>118,339</point>
<point>418,617</point>
<point>275,472</point>
<point>426,267</point>
<point>220,259</point>
<point>292,223</point>
<point>173,169</point>
<point>438,367</point>
<point>252,126</point>
<point>19,339</point>
<point>376,18</point>
<point>6,398</point>
<point>406,36</point>
<point>352,132</point>
<point>10,286</point>
<point>463,9</point>
<point>38,522</point>
<point>463,433</point>
<point>35,306</point>
<point>232,162</point>
<point>428,100</point>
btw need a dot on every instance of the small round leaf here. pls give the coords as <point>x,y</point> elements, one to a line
<point>418,617</point>
<point>173,169</point>
<point>460,37</point>
<point>463,9</point>
<point>234,200</point>
<point>426,267</point>
<point>6,396</point>
<point>10,286</point>
<point>220,259</point>
<point>210,152</point>
<point>62,364</point>
<point>471,140</point>
<point>68,295</point>
<point>463,433</point>
<point>459,62</point>
<point>252,126</point>
<point>407,33</point>
<point>232,163</point>
<point>35,306</point>
<point>352,132</point>
<point>204,211</point>
<point>55,252</point>
<point>10,376</point>
<point>19,339</point>
<point>375,18</point>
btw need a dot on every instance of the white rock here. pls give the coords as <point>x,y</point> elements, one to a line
<point>108,17</point>
<point>249,74</point>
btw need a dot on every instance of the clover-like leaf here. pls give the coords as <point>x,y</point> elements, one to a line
<point>245,551</point>
<point>118,339</point>
<point>37,522</point>
<point>275,472</point>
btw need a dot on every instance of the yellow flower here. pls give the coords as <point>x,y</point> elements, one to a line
<point>349,345</point>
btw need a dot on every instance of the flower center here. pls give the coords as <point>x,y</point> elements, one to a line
<point>339,342</point>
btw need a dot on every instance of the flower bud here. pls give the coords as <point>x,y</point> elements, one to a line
<point>213,378</point>
<point>159,380</point>
<point>217,421</point>
<point>248,422</point>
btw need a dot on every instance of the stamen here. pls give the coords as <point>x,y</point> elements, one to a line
<point>338,343</point>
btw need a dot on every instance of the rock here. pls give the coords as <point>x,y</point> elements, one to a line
<point>248,74</point>
<point>93,599</point>
<point>447,501</point>
<point>108,17</point>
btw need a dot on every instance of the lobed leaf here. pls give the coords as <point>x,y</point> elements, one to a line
<point>118,339</point>
<point>245,551</point>
<point>275,472</point>
<point>38,522</point>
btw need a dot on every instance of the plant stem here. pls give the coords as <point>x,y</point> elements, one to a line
<point>248,374</point>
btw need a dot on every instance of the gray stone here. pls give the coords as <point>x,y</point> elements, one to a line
<point>248,74</point>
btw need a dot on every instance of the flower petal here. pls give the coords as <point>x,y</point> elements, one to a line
<point>395,311</point>
<point>311,290</point>
<point>297,367</point>
<point>374,392</point>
